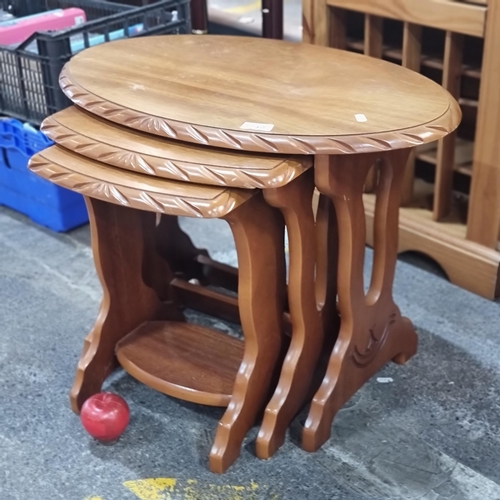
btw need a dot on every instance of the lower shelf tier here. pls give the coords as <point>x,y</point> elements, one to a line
<point>183,360</point>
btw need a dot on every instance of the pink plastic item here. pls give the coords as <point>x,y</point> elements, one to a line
<point>18,30</point>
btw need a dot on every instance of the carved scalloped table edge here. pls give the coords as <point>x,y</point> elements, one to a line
<point>217,207</point>
<point>179,170</point>
<point>268,143</point>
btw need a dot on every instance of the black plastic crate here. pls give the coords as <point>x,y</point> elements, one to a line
<point>29,73</point>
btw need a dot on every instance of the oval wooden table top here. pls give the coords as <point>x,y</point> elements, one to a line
<point>256,94</point>
<point>129,189</point>
<point>101,140</point>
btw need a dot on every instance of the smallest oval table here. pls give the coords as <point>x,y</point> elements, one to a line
<point>354,113</point>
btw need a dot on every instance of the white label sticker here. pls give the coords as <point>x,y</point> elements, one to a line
<point>361,118</point>
<point>385,380</point>
<point>79,20</point>
<point>261,127</point>
<point>246,20</point>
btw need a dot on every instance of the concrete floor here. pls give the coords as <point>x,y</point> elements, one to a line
<point>431,433</point>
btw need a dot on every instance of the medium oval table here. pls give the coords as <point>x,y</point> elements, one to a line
<point>287,183</point>
<point>353,113</point>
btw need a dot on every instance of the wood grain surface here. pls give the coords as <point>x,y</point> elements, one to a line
<point>104,141</point>
<point>143,192</point>
<point>262,95</point>
<point>183,360</point>
<point>372,330</point>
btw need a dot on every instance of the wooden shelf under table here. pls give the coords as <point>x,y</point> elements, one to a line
<point>183,360</point>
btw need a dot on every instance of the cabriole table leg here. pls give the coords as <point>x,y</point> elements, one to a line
<point>295,202</point>
<point>119,246</point>
<point>372,330</point>
<point>258,231</point>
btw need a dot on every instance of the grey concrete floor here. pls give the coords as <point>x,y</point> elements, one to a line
<point>432,433</point>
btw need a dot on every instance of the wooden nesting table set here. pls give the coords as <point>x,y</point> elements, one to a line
<point>242,129</point>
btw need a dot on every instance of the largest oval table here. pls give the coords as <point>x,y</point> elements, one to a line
<point>352,112</point>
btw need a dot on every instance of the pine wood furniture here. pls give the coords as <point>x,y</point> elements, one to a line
<point>353,113</point>
<point>454,216</point>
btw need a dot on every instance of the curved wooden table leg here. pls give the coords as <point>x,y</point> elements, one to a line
<point>295,202</point>
<point>118,243</point>
<point>372,330</point>
<point>258,231</point>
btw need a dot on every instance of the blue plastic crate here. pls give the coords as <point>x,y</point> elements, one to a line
<point>43,202</point>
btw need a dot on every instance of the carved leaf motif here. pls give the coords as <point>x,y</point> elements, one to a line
<point>439,128</point>
<point>303,146</point>
<point>83,148</point>
<point>149,200</point>
<point>254,180</point>
<point>118,195</point>
<point>127,159</point>
<point>380,143</point>
<point>189,207</point>
<point>83,185</point>
<point>232,140</point>
<point>175,170</point>
<point>60,135</point>
<point>60,177</point>
<point>139,163</point>
<point>196,134</point>
<point>97,188</point>
<point>113,111</point>
<point>414,138</point>
<point>97,103</point>
<point>219,179</point>
<point>130,196</point>
<point>267,145</point>
<point>343,146</point>
<point>151,124</point>
<point>363,356</point>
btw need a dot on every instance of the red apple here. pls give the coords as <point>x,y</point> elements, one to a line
<point>105,416</point>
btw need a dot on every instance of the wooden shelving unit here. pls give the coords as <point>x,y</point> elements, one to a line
<point>456,219</point>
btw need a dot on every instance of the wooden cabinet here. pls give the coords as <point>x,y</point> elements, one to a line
<point>451,202</point>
